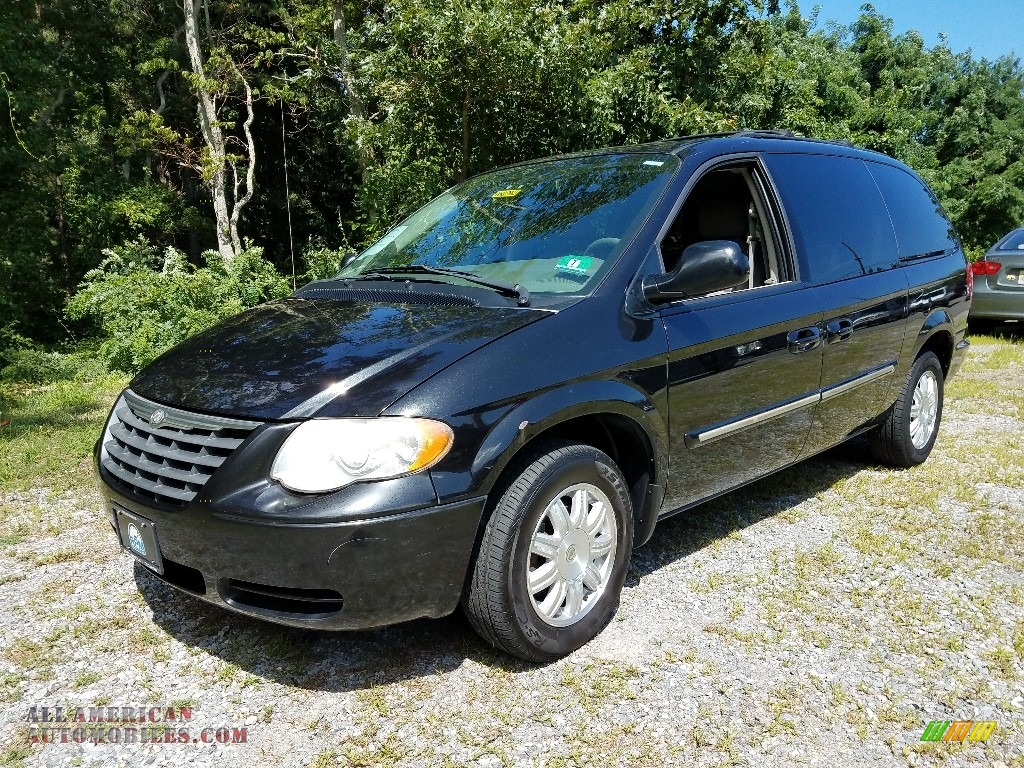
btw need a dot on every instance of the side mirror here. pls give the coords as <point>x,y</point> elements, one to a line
<point>713,265</point>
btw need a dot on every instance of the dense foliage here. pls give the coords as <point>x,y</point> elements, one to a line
<point>146,302</point>
<point>345,116</point>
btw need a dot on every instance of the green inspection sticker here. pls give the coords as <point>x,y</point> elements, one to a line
<point>574,265</point>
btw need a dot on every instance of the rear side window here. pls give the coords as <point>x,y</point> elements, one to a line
<point>922,229</point>
<point>1012,242</point>
<point>839,220</point>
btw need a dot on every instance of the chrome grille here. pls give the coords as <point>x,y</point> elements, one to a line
<point>171,462</point>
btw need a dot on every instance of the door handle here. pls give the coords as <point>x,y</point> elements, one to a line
<point>804,339</point>
<point>838,330</point>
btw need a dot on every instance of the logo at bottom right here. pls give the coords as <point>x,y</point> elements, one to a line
<point>958,730</point>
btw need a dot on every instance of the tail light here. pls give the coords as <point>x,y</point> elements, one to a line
<point>984,267</point>
<point>970,282</point>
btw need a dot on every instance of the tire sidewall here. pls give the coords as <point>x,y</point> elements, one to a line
<point>927,362</point>
<point>598,470</point>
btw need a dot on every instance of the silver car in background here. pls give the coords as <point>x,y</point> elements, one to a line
<point>999,283</point>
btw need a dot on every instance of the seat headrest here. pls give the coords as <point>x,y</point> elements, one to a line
<point>723,220</point>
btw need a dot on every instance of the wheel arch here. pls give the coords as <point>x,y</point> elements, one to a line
<point>936,335</point>
<point>611,416</point>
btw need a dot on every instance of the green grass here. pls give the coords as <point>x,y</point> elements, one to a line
<point>60,556</point>
<point>1007,354</point>
<point>325,758</point>
<point>14,756</point>
<point>50,430</point>
<point>982,382</point>
<point>87,678</point>
<point>14,536</point>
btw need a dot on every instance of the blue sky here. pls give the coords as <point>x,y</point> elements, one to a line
<point>990,28</point>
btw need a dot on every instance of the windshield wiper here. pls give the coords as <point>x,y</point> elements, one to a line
<point>503,287</point>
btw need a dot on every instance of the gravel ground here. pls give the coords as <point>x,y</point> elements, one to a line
<point>820,617</point>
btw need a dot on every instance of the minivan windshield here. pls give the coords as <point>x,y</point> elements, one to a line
<point>553,227</point>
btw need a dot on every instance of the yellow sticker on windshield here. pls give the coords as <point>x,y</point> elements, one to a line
<point>506,193</point>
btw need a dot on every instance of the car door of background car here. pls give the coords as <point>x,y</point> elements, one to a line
<point>744,365</point>
<point>845,242</point>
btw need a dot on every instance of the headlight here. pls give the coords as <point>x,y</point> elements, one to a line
<point>327,454</point>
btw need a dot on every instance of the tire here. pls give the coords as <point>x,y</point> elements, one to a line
<point>907,435</point>
<point>536,529</point>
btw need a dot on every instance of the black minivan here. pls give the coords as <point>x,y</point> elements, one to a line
<point>495,403</point>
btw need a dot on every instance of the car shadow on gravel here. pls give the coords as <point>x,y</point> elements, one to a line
<point>1012,331</point>
<point>317,660</point>
<point>345,661</point>
<point>681,535</point>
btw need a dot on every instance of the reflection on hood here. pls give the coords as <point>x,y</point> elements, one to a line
<point>298,357</point>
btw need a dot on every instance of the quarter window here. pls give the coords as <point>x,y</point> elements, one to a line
<point>922,228</point>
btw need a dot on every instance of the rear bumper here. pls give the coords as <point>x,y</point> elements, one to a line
<point>353,574</point>
<point>997,305</point>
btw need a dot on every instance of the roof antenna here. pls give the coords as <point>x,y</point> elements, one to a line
<point>287,194</point>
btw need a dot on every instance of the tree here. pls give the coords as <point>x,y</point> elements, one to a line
<point>217,159</point>
<point>127,121</point>
<point>70,184</point>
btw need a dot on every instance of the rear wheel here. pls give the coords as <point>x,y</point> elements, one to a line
<point>908,433</point>
<point>554,554</point>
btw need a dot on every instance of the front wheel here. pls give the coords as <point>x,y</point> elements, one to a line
<point>908,433</point>
<point>554,554</point>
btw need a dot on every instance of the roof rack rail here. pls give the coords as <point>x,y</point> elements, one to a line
<point>768,133</point>
<point>778,133</point>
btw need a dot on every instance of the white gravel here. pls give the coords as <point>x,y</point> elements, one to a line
<point>822,617</point>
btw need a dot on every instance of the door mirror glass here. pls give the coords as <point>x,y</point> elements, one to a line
<point>706,267</point>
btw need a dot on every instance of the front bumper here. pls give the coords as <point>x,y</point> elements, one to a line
<point>381,569</point>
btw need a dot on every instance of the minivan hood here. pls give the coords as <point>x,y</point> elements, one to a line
<point>297,358</point>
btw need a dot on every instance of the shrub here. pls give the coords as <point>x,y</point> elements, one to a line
<point>35,366</point>
<point>322,262</point>
<point>145,302</point>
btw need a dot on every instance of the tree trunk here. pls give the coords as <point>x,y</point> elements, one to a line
<point>212,133</point>
<point>44,118</point>
<point>241,197</point>
<point>464,121</point>
<point>62,231</point>
<point>356,108</point>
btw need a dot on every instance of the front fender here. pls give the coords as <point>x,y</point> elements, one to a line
<point>531,419</point>
<point>556,406</point>
<point>512,426</point>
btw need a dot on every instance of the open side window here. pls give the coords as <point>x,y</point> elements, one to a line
<point>728,204</point>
